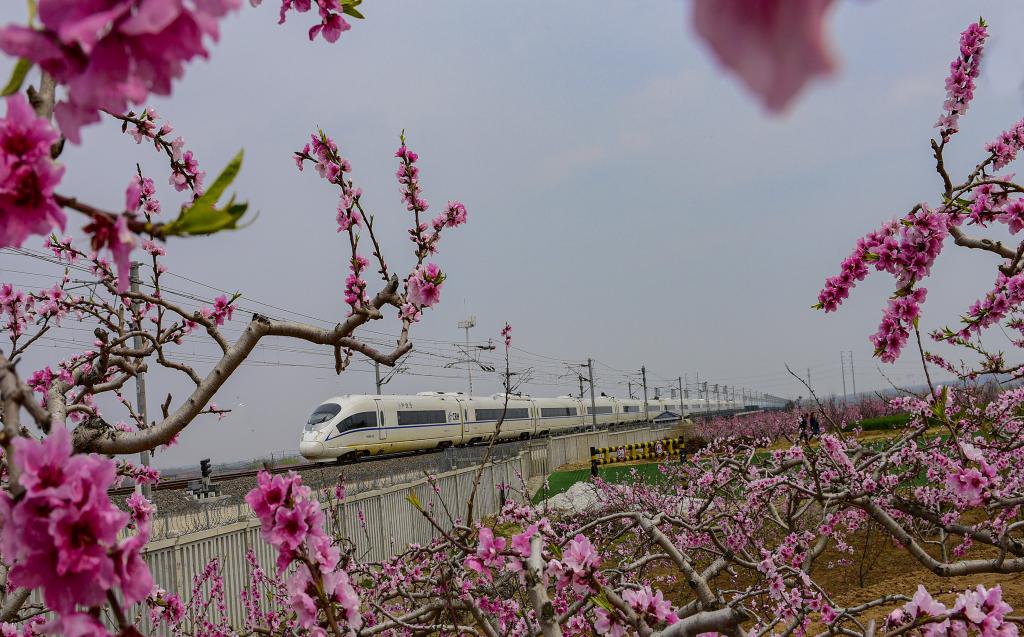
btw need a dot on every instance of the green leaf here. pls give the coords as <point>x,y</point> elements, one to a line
<point>939,408</point>
<point>203,216</point>
<point>32,10</point>
<point>21,69</point>
<point>871,256</point>
<point>414,500</point>
<point>602,601</point>
<point>352,11</point>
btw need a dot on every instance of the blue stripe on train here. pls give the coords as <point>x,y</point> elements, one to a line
<point>445,424</point>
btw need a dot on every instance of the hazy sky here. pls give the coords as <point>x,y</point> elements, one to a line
<point>627,201</point>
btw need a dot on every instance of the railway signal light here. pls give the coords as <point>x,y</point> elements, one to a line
<point>204,467</point>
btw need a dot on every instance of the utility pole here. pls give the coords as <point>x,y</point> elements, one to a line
<point>680,379</point>
<point>842,368</point>
<point>707,399</point>
<point>809,390</point>
<point>593,402</point>
<point>853,376</point>
<point>629,385</point>
<point>465,325</point>
<point>580,376</point>
<point>140,378</point>
<point>376,372</point>
<point>643,375</point>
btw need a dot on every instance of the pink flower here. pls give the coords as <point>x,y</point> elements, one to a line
<point>222,310</point>
<point>923,604</point>
<point>133,194</point>
<point>506,333</point>
<point>453,216</point>
<point>331,24</point>
<point>116,236</point>
<point>521,542</point>
<point>342,592</point>
<point>609,623</point>
<point>488,553</point>
<point>581,556</point>
<point>774,46</point>
<point>61,536</point>
<point>110,53</point>
<point>968,485</point>
<point>424,285</point>
<point>141,508</point>
<point>289,528</point>
<point>28,175</point>
<point>960,83</point>
<point>269,494</point>
<point>897,319</point>
<point>79,625</point>
<point>300,599</point>
<point>653,604</point>
<point>131,570</point>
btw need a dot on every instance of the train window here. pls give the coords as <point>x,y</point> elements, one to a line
<point>607,409</point>
<point>424,417</point>
<point>361,420</point>
<point>555,412</point>
<point>322,414</point>
<point>630,408</point>
<point>517,413</point>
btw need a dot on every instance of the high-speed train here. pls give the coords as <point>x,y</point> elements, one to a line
<point>348,427</point>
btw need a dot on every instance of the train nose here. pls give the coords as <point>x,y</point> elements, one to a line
<point>311,450</point>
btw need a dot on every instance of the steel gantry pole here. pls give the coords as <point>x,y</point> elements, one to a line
<point>853,376</point>
<point>376,373</point>
<point>643,376</point>
<point>842,368</point>
<point>593,402</point>
<point>465,325</point>
<point>140,378</point>
<point>681,397</point>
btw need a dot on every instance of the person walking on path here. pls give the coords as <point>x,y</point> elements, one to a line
<point>815,427</point>
<point>803,427</point>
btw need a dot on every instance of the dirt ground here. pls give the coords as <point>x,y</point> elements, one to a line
<point>890,570</point>
<point>883,569</point>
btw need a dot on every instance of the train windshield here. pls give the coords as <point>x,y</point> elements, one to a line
<point>322,414</point>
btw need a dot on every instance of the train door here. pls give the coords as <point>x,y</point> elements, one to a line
<point>383,431</point>
<point>463,435</point>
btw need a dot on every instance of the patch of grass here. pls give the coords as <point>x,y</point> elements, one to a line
<point>882,423</point>
<point>560,481</point>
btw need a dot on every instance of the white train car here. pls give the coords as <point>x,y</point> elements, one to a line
<point>605,409</point>
<point>631,410</point>
<point>556,415</point>
<point>654,408</point>
<point>517,420</point>
<point>358,425</point>
<point>349,427</point>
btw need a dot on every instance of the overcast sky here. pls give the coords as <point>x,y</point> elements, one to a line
<point>627,201</point>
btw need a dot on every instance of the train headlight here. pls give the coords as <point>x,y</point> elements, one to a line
<point>311,449</point>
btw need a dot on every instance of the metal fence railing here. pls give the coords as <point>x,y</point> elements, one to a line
<point>376,516</point>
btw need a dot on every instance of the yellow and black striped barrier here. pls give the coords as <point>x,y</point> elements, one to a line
<point>663,449</point>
